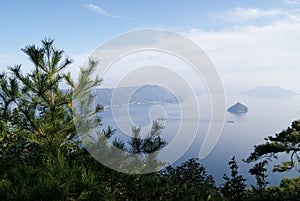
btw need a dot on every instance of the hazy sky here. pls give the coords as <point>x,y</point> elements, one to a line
<point>251,42</point>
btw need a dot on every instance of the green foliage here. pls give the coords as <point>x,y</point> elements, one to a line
<point>259,171</point>
<point>188,181</point>
<point>259,191</point>
<point>290,188</point>
<point>37,133</point>
<point>41,157</point>
<point>287,141</point>
<point>151,143</point>
<point>234,186</point>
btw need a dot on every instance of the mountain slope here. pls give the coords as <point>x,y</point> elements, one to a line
<point>269,91</point>
<point>134,94</point>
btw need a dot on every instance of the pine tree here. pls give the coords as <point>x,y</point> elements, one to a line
<point>37,131</point>
<point>41,152</point>
<point>287,141</point>
<point>234,186</point>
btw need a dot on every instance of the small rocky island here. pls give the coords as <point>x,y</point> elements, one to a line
<point>238,108</point>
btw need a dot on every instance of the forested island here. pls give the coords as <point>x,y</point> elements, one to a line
<point>238,108</point>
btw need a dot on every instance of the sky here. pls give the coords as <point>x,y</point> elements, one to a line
<point>251,43</point>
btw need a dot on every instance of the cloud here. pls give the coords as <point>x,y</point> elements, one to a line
<point>14,59</point>
<point>7,60</point>
<point>250,14</point>
<point>292,2</point>
<point>248,56</point>
<point>245,56</point>
<point>99,10</point>
<point>251,55</point>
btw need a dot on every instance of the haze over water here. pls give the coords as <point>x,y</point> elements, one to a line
<point>266,116</point>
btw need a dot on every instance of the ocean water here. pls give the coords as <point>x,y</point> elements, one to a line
<point>266,116</point>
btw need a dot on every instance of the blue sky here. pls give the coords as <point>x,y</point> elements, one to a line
<point>255,41</point>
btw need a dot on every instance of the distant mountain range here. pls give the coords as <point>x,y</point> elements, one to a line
<point>134,95</point>
<point>269,91</point>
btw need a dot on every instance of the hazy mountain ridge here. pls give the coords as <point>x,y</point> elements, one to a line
<point>269,91</point>
<point>140,95</point>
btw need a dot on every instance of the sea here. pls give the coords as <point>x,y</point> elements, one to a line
<point>266,116</point>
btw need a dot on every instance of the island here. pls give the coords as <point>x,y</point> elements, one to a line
<point>269,91</point>
<point>146,94</point>
<point>238,108</point>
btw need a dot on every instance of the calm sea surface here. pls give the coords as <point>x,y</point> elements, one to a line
<point>266,116</point>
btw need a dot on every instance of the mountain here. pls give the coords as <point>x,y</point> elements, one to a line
<point>139,95</point>
<point>238,108</point>
<point>269,91</point>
